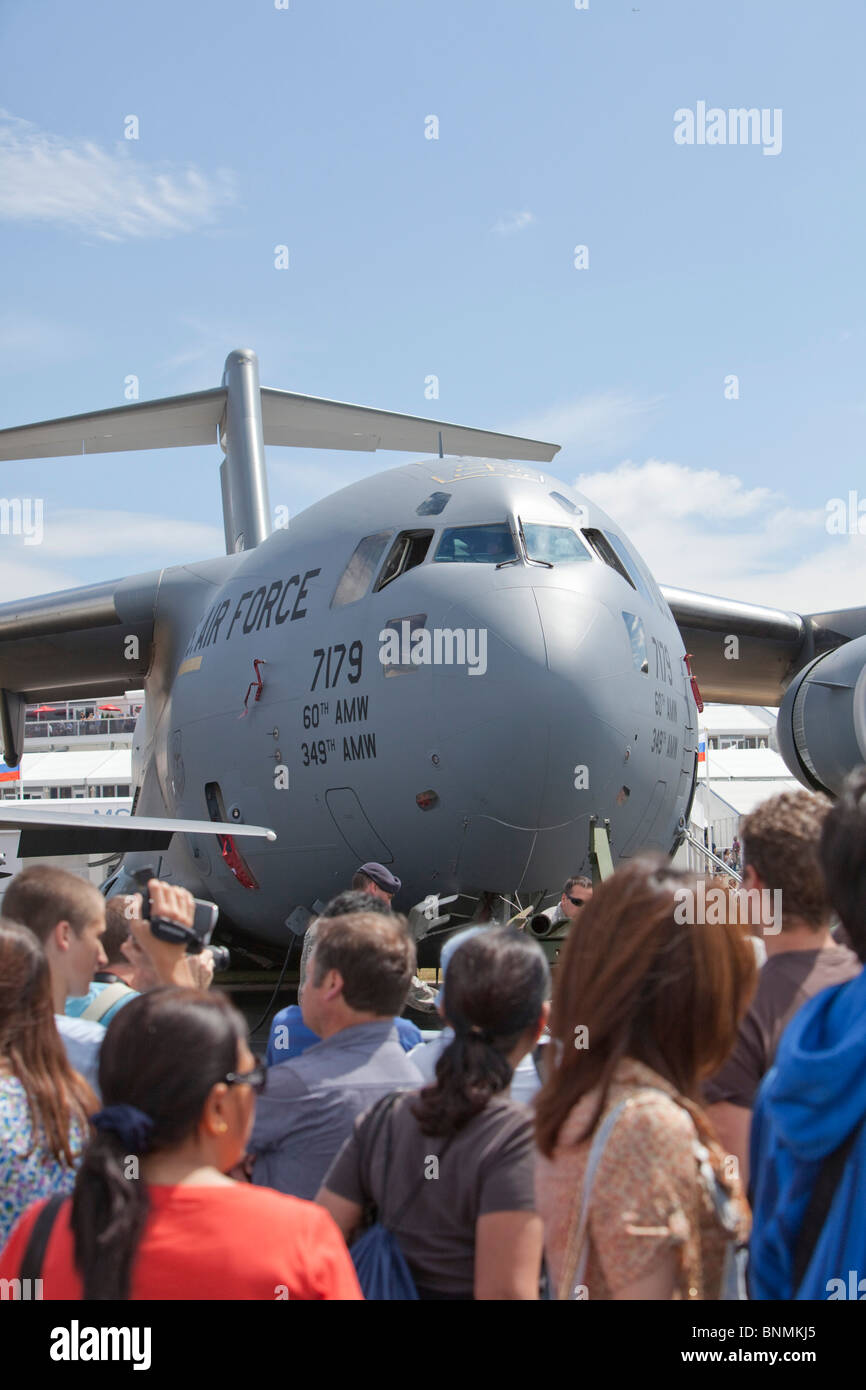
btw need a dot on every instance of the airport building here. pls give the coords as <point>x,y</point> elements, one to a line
<point>78,752</point>
<point>741,767</point>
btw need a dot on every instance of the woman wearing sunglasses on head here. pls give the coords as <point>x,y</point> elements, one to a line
<point>153,1214</point>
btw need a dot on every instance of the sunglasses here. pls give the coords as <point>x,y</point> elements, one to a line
<point>576,902</point>
<point>255,1078</point>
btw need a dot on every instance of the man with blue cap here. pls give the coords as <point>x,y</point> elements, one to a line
<point>375,879</point>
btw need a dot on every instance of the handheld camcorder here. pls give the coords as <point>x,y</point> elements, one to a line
<point>196,937</point>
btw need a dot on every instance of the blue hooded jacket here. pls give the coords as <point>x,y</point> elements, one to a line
<point>810,1101</point>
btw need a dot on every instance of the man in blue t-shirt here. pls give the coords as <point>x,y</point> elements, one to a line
<point>289,1035</point>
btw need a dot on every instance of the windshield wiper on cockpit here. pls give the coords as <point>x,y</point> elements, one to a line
<point>546,563</point>
<point>516,557</point>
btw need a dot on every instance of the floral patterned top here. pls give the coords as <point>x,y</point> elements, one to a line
<point>28,1171</point>
<point>649,1193</point>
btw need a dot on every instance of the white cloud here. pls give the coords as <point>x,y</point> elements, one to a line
<point>109,194</point>
<point>705,530</point>
<point>513,222</point>
<point>72,533</point>
<point>598,425</point>
<point>24,580</point>
<point>84,546</point>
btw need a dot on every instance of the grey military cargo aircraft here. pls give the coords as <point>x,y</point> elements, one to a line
<point>459,667</point>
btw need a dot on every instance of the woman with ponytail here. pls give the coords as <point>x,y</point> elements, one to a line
<point>639,1200</point>
<point>450,1168</point>
<point>44,1104</point>
<point>153,1214</point>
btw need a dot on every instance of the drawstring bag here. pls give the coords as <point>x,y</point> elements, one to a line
<point>381,1266</point>
<point>379,1262</point>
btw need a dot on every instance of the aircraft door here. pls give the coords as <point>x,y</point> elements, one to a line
<point>355,829</point>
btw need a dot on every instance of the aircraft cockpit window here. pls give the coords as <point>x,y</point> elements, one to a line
<point>605,551</point>
<point>637,640</point>
<point>355,579</point>
<point>645,581</point>
<point>477,545</point>
<point>433,505</point>
<point>555,545</point>
<point>408,550</point>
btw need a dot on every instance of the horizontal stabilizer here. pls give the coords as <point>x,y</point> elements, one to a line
<point>166,424</point>
<point>308,422</point>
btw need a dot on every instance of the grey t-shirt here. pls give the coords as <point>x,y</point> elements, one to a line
<point>309,1104</point>
<point>488,1167</point>
<point>785,982</point>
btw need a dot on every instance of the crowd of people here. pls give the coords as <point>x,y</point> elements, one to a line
<point>677,1114</point>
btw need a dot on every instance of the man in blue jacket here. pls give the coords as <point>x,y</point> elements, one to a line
<point>290,1036</point>
<point>813,1100</point>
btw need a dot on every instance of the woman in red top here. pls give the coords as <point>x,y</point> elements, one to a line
<point>153,1215</point>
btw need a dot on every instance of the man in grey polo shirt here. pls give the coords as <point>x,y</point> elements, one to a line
<point>358,980</point>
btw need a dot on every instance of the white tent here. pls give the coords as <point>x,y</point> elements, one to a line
<point>77,768</point>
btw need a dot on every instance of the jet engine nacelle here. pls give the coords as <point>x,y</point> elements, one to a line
<point>822,718</point>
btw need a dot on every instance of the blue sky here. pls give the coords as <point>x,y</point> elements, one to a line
<point>454,257</point>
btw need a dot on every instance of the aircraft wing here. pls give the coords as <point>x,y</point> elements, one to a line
<point>70,643</point>
<point>46,831</point>
<point>746,654</point>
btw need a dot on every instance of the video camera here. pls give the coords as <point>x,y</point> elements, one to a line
<point>196,937</point>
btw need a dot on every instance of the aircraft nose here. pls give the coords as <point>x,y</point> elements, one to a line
<point>584,641</point>
<point>588,691</point>
<point>540,748</point>
<point>545,705</point>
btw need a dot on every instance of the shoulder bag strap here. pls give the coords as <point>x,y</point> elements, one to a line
<point>388,1120</point>
<point>377,1117</point>
<point>576,1252</point>
<point>826,1182</point>
<point>104,1001</point>
<point>31,1260</point>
